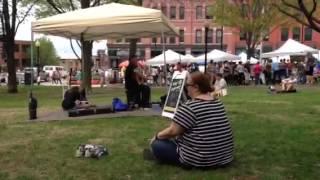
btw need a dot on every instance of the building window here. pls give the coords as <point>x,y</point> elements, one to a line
<point>172,12</point>
<point>208,12</point>
<point>210,36</point>
<point>284,34</point>
<point>164,10</point>
<point>165,40</point>
<point>16,48</point>
<point>181,12</point>
<point>25,48</point>
<point>181,36</point>
<point>119,41</point>
<point>199,12</point>
<point>218,36</point>
<point>154,40</point>
<point>127,40</point>
<point>296,33</point>
<point>198,36</point>
<point>307,34</point>
<point>243,35</point>
<point>172,40</point>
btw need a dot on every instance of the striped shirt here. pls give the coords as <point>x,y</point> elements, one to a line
<point>208,139</point>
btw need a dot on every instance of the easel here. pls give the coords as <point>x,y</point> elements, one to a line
<point>175,94</point>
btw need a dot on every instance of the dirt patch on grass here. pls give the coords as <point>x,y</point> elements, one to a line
<point>275,102</point>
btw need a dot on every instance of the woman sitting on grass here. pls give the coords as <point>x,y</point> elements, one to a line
<point>287,86</point>
<point>200,134</point>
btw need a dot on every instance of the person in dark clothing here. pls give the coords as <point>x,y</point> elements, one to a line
<point>137,91</point>
<point>70,97</point>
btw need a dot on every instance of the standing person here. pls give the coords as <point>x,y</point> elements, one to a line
<point>200,133</point>
<point>211,70</point>
<point>155,75</point>
<point>268,73</point>
<point>240,71</point>
<point>275,72</point>
<point>59,76</point>
<point>102,78</point>
<point>301,73</point>
<point>309,69</point>
<point>257,69</point>
<point>137,91</point>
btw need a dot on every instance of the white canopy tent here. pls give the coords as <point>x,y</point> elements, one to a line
<point>110,21</point>
<point>189,57</point>
<point>317,56</point>
<point>216,56</point>
<point>244,59</point>
<point>172,57</point>
<point>291,48</point>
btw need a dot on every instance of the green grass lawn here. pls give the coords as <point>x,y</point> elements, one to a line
<point>276,137</point>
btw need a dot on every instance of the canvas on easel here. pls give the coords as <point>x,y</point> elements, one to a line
<point>175,94</point>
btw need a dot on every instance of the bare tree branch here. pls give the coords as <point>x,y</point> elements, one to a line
<point>25,15</point>
<point>54,6</point>
<point>74,52</point>
<point>309,18</point>
<point>96,3</point>
<point>72,5</point>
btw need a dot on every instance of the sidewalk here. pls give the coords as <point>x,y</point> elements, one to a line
<point>63,115</point>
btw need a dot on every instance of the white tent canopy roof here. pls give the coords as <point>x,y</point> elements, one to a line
<point>172,57</point>
<point>189,57</point>
<point>216,56</point>
<point>291,47</point>
<point>244,56</point>
<point>107,21</point>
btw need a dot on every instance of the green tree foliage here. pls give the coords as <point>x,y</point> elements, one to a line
<point>251,19</point>
<point>47,52</point>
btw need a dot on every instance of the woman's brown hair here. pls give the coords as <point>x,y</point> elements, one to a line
<point>202,80</point>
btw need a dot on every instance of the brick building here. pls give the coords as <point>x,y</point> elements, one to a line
<point>190,17</point>
<point>20,54</point>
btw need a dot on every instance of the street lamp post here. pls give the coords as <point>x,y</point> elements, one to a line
<point>206,29</point>
<point>38,59</point>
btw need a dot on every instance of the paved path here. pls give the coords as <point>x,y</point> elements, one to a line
<point>62,115</point>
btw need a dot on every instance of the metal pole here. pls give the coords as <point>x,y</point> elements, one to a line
<point>31,61</point>
<point>221,39</point>
<point>205,48</point>
<point>164,56</point>
<point>261,49</point>
<point>38,60</point>
<point>82,60</point>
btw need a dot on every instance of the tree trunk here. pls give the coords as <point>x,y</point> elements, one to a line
<point>250,52</point>
<point>87,64</point>
<point>133,42</point>
<point>11,64</point>
<point>132,48</point>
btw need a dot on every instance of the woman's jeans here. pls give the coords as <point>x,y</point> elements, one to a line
<point>165,151</point>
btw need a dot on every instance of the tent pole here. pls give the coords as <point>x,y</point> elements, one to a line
<point>82,61</point>
<point>164,56</point>
<point>31,58</point>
